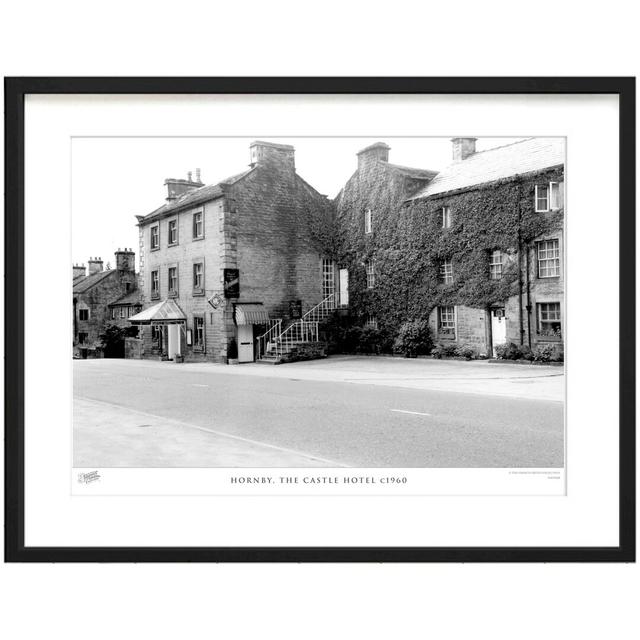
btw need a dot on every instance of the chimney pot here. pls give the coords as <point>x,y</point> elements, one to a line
<point>189,176</point>
<point>198,174</point>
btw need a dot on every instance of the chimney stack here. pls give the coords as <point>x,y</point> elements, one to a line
<point>198,175</point>
<point>463,148</point>
<point>125,260</point>
<point>95,265</point>
<point>281,156</point>
<point>373,153</point>
<point>177,187</point>
<point>79,270</point>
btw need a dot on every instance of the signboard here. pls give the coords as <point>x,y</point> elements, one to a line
<point>295,309</point>
<point>231,283</point>
<point>215,300</point>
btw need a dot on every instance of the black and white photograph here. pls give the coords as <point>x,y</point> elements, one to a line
<point>318,302</point>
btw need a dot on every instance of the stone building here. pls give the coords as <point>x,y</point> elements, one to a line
<point>93,296</point>
<point>477,249</point>
<point>221,264</point>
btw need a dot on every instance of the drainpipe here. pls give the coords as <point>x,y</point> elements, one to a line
<point>520,293</point>
<point>528,298</point>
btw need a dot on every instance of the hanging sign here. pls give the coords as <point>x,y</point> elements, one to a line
<point>232,283</point>
<point>215,300</point>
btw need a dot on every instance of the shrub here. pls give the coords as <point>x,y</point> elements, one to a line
<point>467,352</point>
<point>370,341</point>
<point>414,338</point>
<point>445,350</point>
<point>549,353</point>
<point>512,351</point>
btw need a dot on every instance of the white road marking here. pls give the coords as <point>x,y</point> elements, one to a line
<point>331,463</point>
<point>199,385</point>
<point>415,413</point>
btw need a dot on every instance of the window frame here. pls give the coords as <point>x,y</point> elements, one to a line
<point>155,293</point>
<point>370,271</point>
<point>81,312</point>
<point>368,221</point>
<point>540,322</point>
<point>156,228</point>
<point>198,328</point>
<point>450,331</point>
<point>445,271</point>
<point>174,222</point>
<point>546,260</point>
<point>371,321</point>
<point>446,217</point>
<point>172,293</point>
<point>498,272</point>
<point>198,290</point>
<point>194,224</point>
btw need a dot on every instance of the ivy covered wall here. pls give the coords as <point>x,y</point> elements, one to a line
<point>408,242</point>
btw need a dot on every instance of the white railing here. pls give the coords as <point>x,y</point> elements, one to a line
<point>297,333</point>
<point>276,342</point>
<point>321,310</point>
<point>269,337</point>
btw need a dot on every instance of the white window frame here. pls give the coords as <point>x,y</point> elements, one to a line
<point>371,274</point>
<point>451,321</point>
<point>155,291</point>
<point>328,277</point>
<point>548,262</point>
<point>154,245</point>
<point>446,217</point>
<point>556,195</point>
<point>542,322</point>
<point>172,291</point>
<point>368,221</point>
<point>196,286</point>
<point>196,341</point>
<point>495,268</point>
<point>445,271</point>
<point>173,222</point>
<point>197,236</point>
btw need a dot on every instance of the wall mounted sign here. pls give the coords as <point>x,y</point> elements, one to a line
<point>232,283</point>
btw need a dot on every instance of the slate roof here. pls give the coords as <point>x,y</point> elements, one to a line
<point>131,298</point>
<point>82,285</point>
<point>194,197</point>
<point>424,174</point>
<point>525,156</point>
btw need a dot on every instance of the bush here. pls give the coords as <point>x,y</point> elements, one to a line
<point>413,339</point>
<point>467,352</point>
<point>445,350</point>
<point>549,353</point>
<point>370,341</point>
<point>508,351</point>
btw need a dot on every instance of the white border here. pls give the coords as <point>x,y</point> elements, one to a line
<point>586,516</point>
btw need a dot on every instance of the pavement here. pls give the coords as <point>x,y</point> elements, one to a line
<point>343,411</point>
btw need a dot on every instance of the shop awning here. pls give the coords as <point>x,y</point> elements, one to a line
<point>251,314</point>
<point>163,312</point>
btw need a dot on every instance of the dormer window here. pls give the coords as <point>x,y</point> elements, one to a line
<point>368,221</point>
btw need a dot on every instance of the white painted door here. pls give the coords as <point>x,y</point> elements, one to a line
<point>344,287</point>
<point>245,343</point>
<point>498,328</point>
<point>173,341</point>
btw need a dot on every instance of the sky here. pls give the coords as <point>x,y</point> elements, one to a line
<point>114,179</point>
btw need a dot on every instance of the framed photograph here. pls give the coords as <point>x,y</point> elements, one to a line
<point>320,319</point>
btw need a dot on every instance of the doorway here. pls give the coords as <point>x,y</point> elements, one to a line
<point>245,343</point>
<point>498,328</point>
<point>173,341</point>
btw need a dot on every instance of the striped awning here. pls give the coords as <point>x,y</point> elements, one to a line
<point>163,312</point>
<point>251,314</point>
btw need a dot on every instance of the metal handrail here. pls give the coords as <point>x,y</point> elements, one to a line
<point>328,304</point>
<point>299,331</point>
<point>267,337</point>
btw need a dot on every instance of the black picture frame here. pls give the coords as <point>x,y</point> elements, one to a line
<point>15,91</point>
